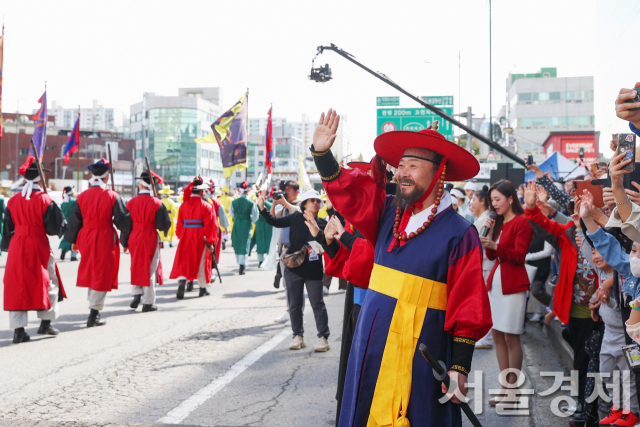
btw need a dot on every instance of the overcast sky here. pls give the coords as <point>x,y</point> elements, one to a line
<point>113,51</point>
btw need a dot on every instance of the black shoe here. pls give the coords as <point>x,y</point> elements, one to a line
<point>170,244</point>
<point>241,271</point>
<point>74,257</point>
<point>583,420</point>
<point>47,329</point>
<point>224,246</point>
<point>95,320</point>
<point>136,301</point>
<point>62,255</point>
<point>19,335</point>
<point>189,286</point>
<point>204,292</point>
<point>276,281</point>
<point>161,245</point>
<point>180,294</point>
<point>149,307</point>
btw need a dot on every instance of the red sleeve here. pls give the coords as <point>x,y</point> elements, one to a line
<point>334,266</point>
<point>356,196</point>
<point>468,310</point>
<point>179,227</point>
<point>539,218</point>
<point>358,269</point>
<point>523,234</point>
<point>210,223</point>
<point>353,193</point>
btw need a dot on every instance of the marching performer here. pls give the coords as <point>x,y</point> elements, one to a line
<point>196,220</point>
<point>426,285</point>
<point>245,213</point>
<point>262,235</point>
<point>68,202</point>
<point>31,279</point>
<point>172,210</point>
<point>223,219</point>
<point>148,214</point>
<point>225,199</point>
<point>92,234</point>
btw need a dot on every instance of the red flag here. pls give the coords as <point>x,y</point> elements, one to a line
<point>269,150</point>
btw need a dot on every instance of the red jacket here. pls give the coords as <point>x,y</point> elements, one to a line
<point>143,240</point>
<point>513,247</point>
<point>196,219</point>
<point>26,278</point>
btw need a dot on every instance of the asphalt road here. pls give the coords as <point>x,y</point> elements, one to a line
<point>216,361</point>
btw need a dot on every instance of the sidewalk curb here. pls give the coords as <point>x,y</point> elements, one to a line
<point>554,333</point>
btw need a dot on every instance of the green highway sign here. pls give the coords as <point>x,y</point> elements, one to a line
<point>438,100</point>
<point>388,101</point>
<point>414,119</point>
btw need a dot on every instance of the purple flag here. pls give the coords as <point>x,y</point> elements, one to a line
<point>40,132</point>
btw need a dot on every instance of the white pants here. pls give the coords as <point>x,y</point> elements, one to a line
<point>19,319</point>
<point>96,299</point>
<point>202,277</point>
<point>149,292</point>
<point>612,359</point>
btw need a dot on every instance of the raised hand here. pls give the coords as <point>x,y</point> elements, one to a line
<point>311,223</point>
<point>542,194</point>
<point>616,171</point>
<point>535,169</point>
<point>325,133</point>
<point>626,110</point>
<point>330,232</point>
<point>261,201</point>
<point>634,195</point>
<point>530,194</point>
<point>608,198</point>
<point>586,205</point>
<point>545,207</point>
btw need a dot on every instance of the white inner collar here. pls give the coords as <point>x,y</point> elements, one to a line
<point>416,221</point>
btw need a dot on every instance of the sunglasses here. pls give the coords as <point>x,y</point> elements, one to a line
<point>314,200</point>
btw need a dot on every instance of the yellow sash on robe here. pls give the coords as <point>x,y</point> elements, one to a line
<point>414,294</point>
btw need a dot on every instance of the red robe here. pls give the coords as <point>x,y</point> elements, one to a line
<point>26,277</point>
<point>354,265</point>
<point>98,241</point>
<point>216,208</point>
<point>143,240</point>
<point>194,211</point>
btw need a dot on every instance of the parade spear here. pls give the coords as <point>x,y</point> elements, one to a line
<point>113,185</point>
<point>151,177</point>
<point>440,373</point>
<point>39,166</point>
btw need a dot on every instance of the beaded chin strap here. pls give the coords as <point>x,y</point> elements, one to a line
<point>400,237</point>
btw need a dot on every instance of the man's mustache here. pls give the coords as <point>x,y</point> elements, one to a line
<point>406,181</point>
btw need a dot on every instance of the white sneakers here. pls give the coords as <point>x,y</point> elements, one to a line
<point>297,343</point>
<point>325,291</point>
<point>322,345</point>
<point>282,319</point>
<point>535,317</point>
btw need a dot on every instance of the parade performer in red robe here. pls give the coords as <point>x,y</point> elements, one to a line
<point>148,214</point>
<point>426,285</point>
<point>92,234</point>
<point>31,279</point>
<point>196,220</point>
<point>223,219</point>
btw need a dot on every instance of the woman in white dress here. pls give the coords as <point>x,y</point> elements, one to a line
<point>507,245</point>
<point>479,207</point>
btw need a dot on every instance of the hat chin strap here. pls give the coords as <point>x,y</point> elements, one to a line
<point>419,204</point>
<point>28,187</point>
<point>99,179</point>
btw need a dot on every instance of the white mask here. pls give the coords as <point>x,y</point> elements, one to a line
<point>635,266</point>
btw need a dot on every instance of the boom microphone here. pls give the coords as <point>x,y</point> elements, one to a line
<point>485,230</point>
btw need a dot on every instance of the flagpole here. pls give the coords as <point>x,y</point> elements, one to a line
<point>78,142</point>
<point>246,170</point>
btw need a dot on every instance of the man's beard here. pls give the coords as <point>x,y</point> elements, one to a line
<point>413,196</point>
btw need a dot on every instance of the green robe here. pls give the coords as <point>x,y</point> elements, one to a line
<point>67,207</point>
<point>262,235</point>
<point>241,233</point>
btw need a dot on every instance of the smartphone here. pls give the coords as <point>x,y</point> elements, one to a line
<point>530,159</point>
<point>594,189</point>
<point>634,99</point>
<point>627,145</point>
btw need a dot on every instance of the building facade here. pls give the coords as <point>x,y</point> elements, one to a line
<point>165,127</point>
<point>540,103</point>
<point>572,143</point>
<point>96,117</point>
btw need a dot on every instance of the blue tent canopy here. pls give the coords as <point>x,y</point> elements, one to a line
<point>561,169</point>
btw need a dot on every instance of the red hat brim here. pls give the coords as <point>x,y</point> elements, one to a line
<point>363,166</point>
<point>461,165</point>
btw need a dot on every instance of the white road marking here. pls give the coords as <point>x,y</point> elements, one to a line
<point>182,411</point>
